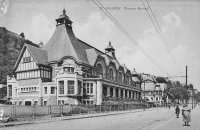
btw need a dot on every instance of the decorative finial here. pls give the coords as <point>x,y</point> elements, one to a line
<point>109,43</point>
<point>64,11</point>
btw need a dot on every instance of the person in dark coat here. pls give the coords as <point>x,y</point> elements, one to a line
<point>177,111</point>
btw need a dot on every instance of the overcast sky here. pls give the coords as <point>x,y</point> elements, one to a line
<point>179,22</point>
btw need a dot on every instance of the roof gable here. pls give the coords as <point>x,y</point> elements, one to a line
<point>38,55</point>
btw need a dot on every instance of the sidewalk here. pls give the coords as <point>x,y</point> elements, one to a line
<point>177,123</point>
<point>80,116</point>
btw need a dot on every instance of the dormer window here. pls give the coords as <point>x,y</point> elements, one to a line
<point>68,69</point>
<point>110,74</point>
<point>99,70</point>
<point>27,59</point>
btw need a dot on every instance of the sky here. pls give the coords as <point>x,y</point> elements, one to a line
<point>179,22</point>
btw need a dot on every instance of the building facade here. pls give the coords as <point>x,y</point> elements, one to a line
<point>67,70</point>
<point>153,91</point>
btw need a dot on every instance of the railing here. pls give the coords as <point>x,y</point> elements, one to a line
<point>20,112</point>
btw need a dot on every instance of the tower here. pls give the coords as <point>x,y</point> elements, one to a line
<point>110,50</point>
<point>64,19</point>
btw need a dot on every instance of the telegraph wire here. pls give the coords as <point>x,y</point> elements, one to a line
<point>159,31</point>
<point>162,33</point>
<point>105,11</point>
<point>179,73</point>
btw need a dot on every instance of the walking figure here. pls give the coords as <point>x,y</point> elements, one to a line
<point>177,111</point>
<point>186,115</point>
<point>169,106</point>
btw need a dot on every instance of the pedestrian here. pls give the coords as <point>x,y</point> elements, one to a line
<point>169,106</point>
<point>186,114</point>
<point>177,111</point>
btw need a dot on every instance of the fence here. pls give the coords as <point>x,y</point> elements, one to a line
<point>63,110</point>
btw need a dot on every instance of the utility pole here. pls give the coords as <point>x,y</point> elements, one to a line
<point>187,83</point>
<point>144,89</point>
<point>186,80</point>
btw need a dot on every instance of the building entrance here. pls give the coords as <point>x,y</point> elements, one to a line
<point>27,103</point>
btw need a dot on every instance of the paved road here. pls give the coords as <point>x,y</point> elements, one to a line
<point>177,123</point>
<point>154,119</point>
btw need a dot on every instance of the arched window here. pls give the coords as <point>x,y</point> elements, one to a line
<point>120,77</point>
<point>127,79</point>
<point>99,70</point>
<point>110,74</point>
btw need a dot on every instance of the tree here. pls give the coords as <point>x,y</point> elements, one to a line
<point>161,80</point>
<point>176,91</point>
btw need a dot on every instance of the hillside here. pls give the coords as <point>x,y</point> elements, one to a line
<point>10,46</point>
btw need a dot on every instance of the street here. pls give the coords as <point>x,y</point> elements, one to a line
<point>152,119</point>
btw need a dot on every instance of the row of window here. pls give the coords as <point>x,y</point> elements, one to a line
<point>33,74</point>
<point>157,98</point>
<point>70,87</point>
<point>45,74</point>
<point>53,90</point>
<point>88,88</point>
<point>25,103</point>
<point>28,89</point>
<point>119,93</point>
<point>111,76</point>
<point>27,59</point>
<point>88,102</point>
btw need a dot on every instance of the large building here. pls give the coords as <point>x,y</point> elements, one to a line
<point>67,70</point>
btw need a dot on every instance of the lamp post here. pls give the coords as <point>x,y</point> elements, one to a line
<point>144,94</point>
<point>144,91</point>
<point>192,97</point>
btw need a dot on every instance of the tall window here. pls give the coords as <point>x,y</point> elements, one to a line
<point>110,74</point>
<point>70,87</point>
<point>91,88</point>
<point>52,90</point>
<point>61,87</point>
<point>120,77</point>
<point>10,90</point>
<point>79,87</point>
<point>84,88</point>
<point>99,70</point>
<point>127,80</point>
<point>88,88</point>
<point>45,90</point>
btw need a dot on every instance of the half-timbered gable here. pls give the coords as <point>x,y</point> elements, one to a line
<point>27,67</point>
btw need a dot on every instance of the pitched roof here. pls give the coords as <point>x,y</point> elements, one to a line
<point>62,44</point>
<point>38,54</point>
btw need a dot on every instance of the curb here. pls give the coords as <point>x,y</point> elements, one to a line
<point>69,118</point>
